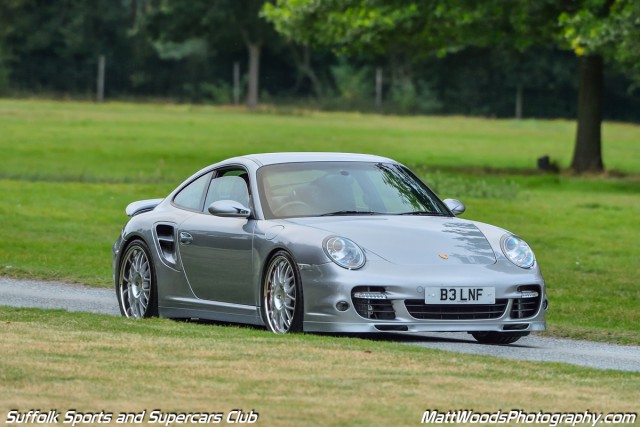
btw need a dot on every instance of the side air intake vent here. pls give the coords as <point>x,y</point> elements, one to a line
<point>165,233</point>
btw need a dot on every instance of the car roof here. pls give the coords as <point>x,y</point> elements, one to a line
<point>275,158</point>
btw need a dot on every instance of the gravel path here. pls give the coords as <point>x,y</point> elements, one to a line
<point>541,349</point>
<point>30,293</point>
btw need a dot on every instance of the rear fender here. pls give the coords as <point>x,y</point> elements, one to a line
<point>141,206</point>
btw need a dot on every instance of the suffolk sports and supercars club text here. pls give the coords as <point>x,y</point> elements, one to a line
<point>75,418</point>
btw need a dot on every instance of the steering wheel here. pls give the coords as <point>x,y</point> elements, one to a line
<point>291,204</point>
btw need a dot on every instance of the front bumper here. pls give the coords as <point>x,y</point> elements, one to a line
<point>327,288</point>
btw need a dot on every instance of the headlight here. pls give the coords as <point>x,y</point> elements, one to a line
<point>517,251</point>
<point>344,252</point>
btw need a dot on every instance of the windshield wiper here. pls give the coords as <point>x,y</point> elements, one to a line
<point>424,213</point>
<point>339,213</point>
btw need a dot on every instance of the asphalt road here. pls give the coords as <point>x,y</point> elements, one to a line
<point>29,293</point>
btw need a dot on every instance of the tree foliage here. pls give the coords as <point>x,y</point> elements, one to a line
<point>607,28</point>
<point>420,28</point>
<point>63,35</point>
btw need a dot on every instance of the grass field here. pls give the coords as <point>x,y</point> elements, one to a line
<point>69,169</point>
<point>95,363</point>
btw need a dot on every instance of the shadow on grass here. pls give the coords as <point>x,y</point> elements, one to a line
<point>399,337</point>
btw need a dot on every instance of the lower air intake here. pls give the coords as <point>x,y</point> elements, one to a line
<point>524,308</point>
<point>419,310</point>
<point>369,308</point>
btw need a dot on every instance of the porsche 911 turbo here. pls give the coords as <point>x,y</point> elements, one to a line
<point>324,242</point>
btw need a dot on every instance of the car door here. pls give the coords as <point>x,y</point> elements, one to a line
<point>216,252</point>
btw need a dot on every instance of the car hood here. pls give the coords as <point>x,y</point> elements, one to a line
<point>411,240</point>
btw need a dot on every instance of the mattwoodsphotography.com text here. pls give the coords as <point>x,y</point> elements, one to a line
<point>517,416</point>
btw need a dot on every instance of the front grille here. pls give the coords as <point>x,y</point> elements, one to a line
<point>526,307</point>
<point>379,309</point>
<point>418,309</point>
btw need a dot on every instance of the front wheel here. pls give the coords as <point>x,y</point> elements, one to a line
<point>136,287</point>
<point>282,295</point>
<point>490,337</point>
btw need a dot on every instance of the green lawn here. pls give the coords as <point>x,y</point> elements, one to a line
<point>93,363</point>
<point>69,169</point>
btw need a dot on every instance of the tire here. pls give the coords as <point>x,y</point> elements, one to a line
<point>498,337</point>
<point>136,285</point>
<point>282,300</point>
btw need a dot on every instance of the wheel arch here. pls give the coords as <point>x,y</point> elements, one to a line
<point>271,255</point>
<point>263,268</point>
<point>151,308</point>
<point>123,249</point>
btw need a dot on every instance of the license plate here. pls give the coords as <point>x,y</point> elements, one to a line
<point>460,295</point>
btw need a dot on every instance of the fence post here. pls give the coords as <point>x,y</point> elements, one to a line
<point>236,83</point>
<point>519,101</point>
<point>378,87</point>
<point>100,85</point>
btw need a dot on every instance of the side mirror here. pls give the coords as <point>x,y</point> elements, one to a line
<point>455,206</point>
<point>229,209</point>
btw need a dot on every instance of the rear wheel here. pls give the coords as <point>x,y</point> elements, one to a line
<point>282,301</point>
<point>491,337</point>
<point>136,287</point>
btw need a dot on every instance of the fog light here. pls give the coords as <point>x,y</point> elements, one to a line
<point>370,295</point>
<point>342,306</point>
<point>545,304</point>
<point>529,294</point>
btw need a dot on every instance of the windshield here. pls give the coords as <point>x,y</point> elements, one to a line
<point>344,188</point>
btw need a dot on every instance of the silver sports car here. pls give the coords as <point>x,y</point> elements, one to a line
<point>324,242</point>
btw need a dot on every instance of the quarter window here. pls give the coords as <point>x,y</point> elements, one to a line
<point>191,196</point>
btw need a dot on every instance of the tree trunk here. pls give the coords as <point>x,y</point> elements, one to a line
<point>308,70</point>
<point>254,75</point>
<point>587,155</point>
<point>303,63</point>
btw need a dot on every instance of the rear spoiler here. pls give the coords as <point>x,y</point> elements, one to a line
<point>141,206</point>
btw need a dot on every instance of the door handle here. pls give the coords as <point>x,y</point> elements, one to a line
<point>186,238</point>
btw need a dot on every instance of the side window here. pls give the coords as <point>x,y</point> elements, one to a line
<point>190,197</point>
<point>231,185</point>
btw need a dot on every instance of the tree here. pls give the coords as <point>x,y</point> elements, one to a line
<point>219,23</point>
<point>55,45</point>
<point>593,29</point>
